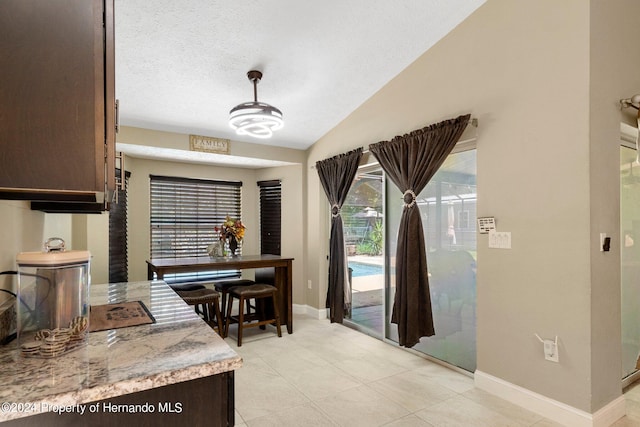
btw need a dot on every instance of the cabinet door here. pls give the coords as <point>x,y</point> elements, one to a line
<point>56,94</point>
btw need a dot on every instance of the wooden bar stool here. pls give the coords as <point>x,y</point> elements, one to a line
<point>207,303</point>
<point>223,287</point>
<point>188,287</point>
<point>259,292</point>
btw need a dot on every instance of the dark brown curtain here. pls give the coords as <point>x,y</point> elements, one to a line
<point>410,161</point>
<point>336,175</point>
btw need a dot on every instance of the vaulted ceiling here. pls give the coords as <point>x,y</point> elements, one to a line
<point>182,65</point>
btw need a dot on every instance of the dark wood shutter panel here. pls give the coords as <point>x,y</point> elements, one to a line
<point>270,216</point>
<point>118,254</point>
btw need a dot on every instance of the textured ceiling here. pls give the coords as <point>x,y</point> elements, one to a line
<point>181,64</point>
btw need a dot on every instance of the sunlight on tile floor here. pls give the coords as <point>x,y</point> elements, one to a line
<point>329,375</point>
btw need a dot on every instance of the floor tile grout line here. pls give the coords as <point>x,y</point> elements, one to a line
<point>337,362</point>
<point>311,399</point>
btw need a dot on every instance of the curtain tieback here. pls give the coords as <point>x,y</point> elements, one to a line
<point>409,198</point>
<point>335,210</point>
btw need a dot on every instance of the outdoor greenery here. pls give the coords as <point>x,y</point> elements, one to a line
<point>361,214</point>
<point>372,245</point>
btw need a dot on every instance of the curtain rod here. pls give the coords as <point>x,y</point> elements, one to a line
<point>473,121</point>
<point>633,102</point>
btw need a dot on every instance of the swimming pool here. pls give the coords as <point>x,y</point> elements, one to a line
<point>361,269</point>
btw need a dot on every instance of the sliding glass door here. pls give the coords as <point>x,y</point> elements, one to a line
<point>630,257</point>
<point>371,216</point>
<point>448,208</point>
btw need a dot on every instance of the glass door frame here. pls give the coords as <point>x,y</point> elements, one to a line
<point>367,162</point>
<point>462,146</point>
<point>626,143</point>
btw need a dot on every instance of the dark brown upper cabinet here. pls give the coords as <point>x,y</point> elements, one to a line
<point>57,100</point>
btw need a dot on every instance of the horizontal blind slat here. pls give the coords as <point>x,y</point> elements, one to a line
<point>270,216</point>
<point>184,212</point>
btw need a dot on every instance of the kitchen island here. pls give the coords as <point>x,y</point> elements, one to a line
<point>176,371</point>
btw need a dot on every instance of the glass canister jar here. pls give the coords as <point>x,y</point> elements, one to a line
<point>53,300</point>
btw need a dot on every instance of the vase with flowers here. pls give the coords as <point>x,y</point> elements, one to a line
<point>231,231</point>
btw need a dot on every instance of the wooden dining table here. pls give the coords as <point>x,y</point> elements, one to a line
<point>157,268</point>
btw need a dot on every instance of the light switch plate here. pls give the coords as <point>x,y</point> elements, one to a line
<point>500,239</point>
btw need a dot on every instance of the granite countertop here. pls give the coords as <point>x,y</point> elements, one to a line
<point>178,347</point>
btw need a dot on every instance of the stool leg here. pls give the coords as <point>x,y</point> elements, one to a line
<point>276,312</point>
<point>240,319</point>
<point>205,312</point>
<point>210,313</point>
<point>216,310</point>
<point>228,318</point>
<point>223,304</point>
<point>260,308</point>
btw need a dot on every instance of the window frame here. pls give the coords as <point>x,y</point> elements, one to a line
<point>182,215</point>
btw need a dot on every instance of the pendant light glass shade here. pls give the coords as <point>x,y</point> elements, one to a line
<point>257,119</point>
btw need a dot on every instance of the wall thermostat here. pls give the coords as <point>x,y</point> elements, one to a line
<point>486,224</point>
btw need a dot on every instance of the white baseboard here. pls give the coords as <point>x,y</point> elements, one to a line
<point>316,313</point>
<point>550,408</point>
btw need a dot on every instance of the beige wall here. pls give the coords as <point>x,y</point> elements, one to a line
<point>292,223</point>
<point>138,204</point>
<point>292,202</point>
<point>614,75</point>
<point>525,70</point>
<point>21,230</point>
<point>91,233</point>
<point>24,230</point>
<point>178,141</point>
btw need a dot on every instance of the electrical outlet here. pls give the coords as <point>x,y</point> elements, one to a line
<point>551,351</point>
<point>309,284</point>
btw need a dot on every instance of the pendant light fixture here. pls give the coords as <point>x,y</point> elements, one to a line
<point>257,119</point>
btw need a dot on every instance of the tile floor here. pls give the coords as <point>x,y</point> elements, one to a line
<point>632,398</point>
<point>329,375</point>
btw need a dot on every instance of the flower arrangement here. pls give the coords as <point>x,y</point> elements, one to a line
<point>230,228</point>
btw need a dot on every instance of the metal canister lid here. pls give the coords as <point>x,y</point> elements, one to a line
<point>53,255</point>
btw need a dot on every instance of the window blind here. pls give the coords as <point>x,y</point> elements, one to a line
<point>270,216</point>
<point>184,212</point>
